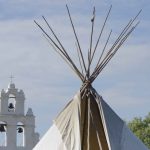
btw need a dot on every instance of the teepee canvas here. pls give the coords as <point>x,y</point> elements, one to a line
<point>87,122</point>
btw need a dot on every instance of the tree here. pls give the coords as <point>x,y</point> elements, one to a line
<point>141,128</point>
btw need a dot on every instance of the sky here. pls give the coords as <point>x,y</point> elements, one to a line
<point>48,83</point>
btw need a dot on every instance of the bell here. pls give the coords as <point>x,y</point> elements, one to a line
<point>20,130</point>
<point>11,106</point>
<point>2,128</point>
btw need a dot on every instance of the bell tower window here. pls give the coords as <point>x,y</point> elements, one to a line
<point>11,103</point>
<point>3,137</point>
<point>20,135</point>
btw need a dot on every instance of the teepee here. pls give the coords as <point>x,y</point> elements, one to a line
<point>87,122</point>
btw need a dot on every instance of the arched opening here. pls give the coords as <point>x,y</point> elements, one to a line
<point>11,103</point>
<point>20,142</point>
<point>3,136</point>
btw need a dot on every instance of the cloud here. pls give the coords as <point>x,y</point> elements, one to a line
<point>47,81</point>
<point>127,97</point>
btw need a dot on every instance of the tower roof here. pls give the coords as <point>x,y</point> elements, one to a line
<point>87,122</point>
<point>11,86</point>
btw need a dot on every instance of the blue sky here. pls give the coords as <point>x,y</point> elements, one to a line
<point>47,81</point>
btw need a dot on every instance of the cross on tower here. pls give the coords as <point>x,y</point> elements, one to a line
<point>11,78</point>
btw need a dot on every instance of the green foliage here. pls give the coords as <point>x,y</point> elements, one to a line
<point>141,128</point>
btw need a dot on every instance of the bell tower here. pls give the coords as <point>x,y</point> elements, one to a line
<point>17,128</point>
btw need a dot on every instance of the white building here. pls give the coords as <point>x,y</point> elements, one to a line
<point>17,129</point>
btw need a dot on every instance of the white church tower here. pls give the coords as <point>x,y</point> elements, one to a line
<point>17,129</point>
